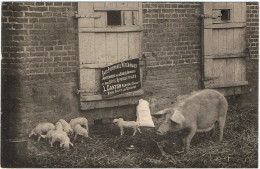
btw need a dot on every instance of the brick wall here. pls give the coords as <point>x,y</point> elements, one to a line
<point>251,91</point>
<point>171,45</point>
<point>252,20</point>
<point>40,59</point>
<point>39,62</point>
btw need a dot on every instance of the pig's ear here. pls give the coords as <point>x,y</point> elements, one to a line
<point>160,113</point>
<point>177,117</point>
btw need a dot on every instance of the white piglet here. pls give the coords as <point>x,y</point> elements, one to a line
<point>66,126</point>
<point>58,126</point>
<point>80,120</point>
<point>62,137</point>
<point>41,128</point>
<point>48,135</point>
<point>80,131</point>
<point>126,124</point>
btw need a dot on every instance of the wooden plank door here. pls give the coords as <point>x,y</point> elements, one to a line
<point>224,44</point>
<point>109,32</point>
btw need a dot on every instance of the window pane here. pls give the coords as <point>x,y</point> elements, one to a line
<point>113,17</point>
<point>225,14</point>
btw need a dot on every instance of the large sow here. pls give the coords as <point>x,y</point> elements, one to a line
<point>197,112</point>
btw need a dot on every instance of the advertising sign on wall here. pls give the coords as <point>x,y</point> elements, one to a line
<point>120,78</point>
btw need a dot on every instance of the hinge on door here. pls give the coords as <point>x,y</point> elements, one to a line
<point>78,91</point>
<point>85,16</point>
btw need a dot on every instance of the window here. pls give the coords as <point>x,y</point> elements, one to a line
<point>113,18</point>
<point>225,14</point>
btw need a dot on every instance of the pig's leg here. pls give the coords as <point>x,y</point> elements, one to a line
<point>138,129</point>
<point>160,146</point>
<point>52,141</point>
<point>121,131</point>
<point>213,131</point>
<point>39,136</point>
<point>82,138</point>
<point>134,131</point>
<point>221,124</point>
<point>184,140</point>
<point>87,127</point>
<point>189,137</point>
<point>75,137</point>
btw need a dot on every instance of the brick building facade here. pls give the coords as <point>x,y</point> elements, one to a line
<point>39,64</point>
<point>40,59</point>
<point>172,48</point>
<point>251,91</point>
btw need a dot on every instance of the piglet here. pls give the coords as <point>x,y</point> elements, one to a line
<point>126,124</point>
<point>62,137</point>
<point>80,131</point>
<point>58,126</point>
<point>66,126</point>
<point>80,120</point>
<point>48,135</point>
<point>41,128</point>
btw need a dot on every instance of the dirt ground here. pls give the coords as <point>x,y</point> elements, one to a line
<point>107,149</point>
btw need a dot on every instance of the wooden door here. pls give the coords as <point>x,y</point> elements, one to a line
<point>224,46</point>
<point>109,32</point>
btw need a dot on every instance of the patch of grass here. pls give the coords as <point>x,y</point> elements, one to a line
<point>107,149</point>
